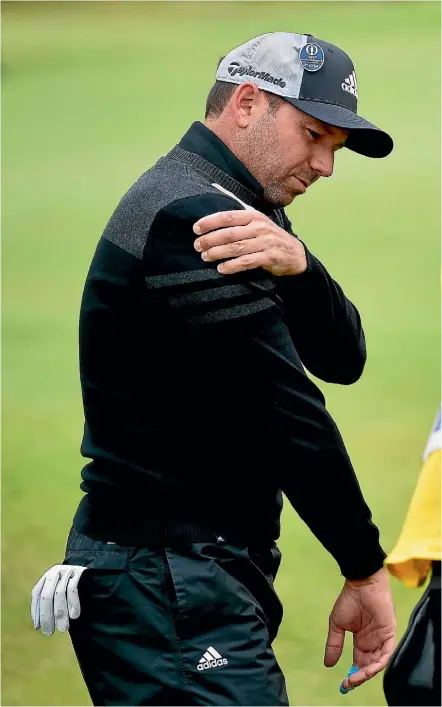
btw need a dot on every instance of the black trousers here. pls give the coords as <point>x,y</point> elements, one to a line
<point>187,626</point>
<point>413,676</point>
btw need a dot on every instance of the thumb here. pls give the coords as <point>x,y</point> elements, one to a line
<point>334,645</point>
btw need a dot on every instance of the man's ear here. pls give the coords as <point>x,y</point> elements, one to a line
<point>246,100</point>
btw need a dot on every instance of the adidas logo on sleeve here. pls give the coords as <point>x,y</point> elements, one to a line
<point>350,85</point>
<point>211,659</point>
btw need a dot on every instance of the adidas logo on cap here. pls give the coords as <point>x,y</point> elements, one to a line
<point>350,85</point>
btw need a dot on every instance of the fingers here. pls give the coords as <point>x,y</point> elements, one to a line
<point>343,690</point>
<point>47,618</point>
<point>224,219</point>
<point>55,598</point>
<point>375,666</point>
<point>60,603</point>
<point>72,594</point>
<point>334,645</point>
<point>35,602</point>
<point>250,238</point>
<point>358,678</point>
<point>355,678</point>
<point>243,262</point>
<point>223,236</point>
<point>234,250</point>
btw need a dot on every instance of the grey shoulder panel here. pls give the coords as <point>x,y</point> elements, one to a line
<point>167,181</point>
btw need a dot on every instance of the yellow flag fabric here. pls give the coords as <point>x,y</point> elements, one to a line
<point>420,540</point>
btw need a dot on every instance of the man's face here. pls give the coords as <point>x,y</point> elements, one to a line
<point>287,151</point>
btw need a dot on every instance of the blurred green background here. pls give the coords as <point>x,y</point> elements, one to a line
<point>93,94</point>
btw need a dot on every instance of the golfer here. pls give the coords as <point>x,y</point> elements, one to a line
<point>202,312</point>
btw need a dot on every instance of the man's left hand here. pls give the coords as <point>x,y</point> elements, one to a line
<point>247,240</point>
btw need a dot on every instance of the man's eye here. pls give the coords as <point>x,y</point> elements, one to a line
<point>313,133</point>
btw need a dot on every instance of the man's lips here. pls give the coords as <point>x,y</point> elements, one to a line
<point>304,184</point>
<point>303,181</point>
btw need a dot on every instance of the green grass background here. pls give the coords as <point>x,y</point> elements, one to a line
<point>93,94</point>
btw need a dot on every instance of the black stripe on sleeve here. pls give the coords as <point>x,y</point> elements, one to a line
<point>205,296</point>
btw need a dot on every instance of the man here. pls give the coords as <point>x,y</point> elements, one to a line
<point>201,309</point>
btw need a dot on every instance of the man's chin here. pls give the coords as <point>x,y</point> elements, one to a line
<point>292,197</point>
<point>281,197</point>
<point>285,200</point>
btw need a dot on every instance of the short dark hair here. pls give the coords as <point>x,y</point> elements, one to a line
<point>221,93</point>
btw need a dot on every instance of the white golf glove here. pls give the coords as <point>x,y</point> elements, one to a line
<point>55,598</point>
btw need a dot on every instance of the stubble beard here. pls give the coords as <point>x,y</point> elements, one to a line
<point>276,194</point>
<point>260,148</point>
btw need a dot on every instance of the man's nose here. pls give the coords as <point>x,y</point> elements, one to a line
<point>322,161</point>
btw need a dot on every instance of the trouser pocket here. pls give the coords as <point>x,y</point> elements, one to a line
<point>222,629</point>
<point>124,638</point>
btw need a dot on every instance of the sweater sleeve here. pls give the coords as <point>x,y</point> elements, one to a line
<point>324,324</point>
<point>238,324</point>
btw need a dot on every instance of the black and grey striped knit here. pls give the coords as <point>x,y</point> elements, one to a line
<point>199,413</point>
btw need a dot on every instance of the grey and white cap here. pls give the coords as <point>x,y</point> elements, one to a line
<point>316,77</point>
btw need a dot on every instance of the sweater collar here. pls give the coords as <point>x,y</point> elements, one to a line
<point>203,142</point>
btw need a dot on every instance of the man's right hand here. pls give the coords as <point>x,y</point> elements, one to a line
<point>55,598</point>
<point>364,608</point>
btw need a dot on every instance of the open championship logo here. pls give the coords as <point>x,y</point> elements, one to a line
<point>311,57</point>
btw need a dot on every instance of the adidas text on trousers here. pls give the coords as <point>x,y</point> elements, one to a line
<point>188,626</point>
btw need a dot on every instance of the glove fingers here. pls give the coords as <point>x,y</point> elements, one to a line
<point>60,602</point>
<point>47,619</point>
<point>35,602</point>
<point>72,593</point>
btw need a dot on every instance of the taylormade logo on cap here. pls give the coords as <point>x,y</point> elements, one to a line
<point>235,68</point>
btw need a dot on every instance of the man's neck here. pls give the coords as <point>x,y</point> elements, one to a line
<point>216,127</point>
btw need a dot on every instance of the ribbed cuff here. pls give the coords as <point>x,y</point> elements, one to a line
<point>360,564</point>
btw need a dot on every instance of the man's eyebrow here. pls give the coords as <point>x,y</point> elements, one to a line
<point>317,125</point>
<point>329,130</point>
<point>308,123</point>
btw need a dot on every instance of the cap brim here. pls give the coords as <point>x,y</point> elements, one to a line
<point>364,137</point>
